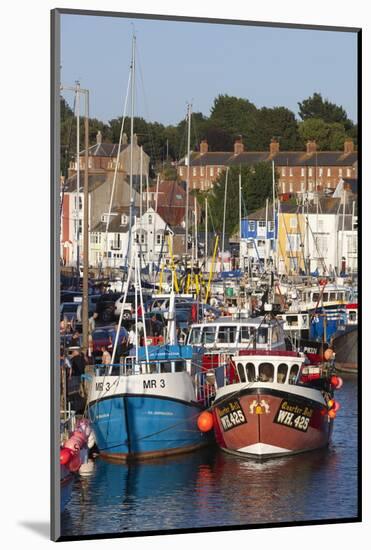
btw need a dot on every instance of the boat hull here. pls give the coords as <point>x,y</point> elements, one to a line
<point>345,345</point>
<point>142,426</point>
<point>267,422</point>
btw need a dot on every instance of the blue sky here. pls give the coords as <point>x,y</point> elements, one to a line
<point>182,62</point>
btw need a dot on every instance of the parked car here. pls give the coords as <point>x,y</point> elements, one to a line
<point>105,306</point>
<point>128,306</point>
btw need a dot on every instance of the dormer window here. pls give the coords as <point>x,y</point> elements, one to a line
<point>150,219</point>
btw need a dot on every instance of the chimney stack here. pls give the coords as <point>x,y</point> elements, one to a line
<point>311,146</point>
<point>238,146</point>
<point>348,146</point>
<point>274,147</point>
<point>204,147</point>
<point>124,138</point>
<point>99,137</point>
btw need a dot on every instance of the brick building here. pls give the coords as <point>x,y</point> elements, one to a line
<point>299,171</point>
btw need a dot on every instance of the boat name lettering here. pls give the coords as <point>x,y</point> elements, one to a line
<point>231,415</point>
<point>152,384</point>
<point>294,416</point>
<point>99,386</point>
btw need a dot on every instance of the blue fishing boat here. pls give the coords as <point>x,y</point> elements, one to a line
<point>148,406</point>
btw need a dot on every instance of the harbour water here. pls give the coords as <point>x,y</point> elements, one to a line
<point>211,488</point>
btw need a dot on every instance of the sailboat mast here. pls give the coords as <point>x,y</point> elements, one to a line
<point>274,217</point>
<point>85,279</point>
<point>224,211</point>
<point>78,180</point>
<point>188,175</point>
<point>206,234</point>
<point>132,67</point>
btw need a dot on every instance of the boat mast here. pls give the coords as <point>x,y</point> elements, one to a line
<point>78,179</point>
<point>266,235</point>
<point>189,111</point>
<point>206,235</point>
<point>224,211</point>
<point>85,275</point>
<point>240,208</point>
<point>274,217</point>
<point>132,67</point>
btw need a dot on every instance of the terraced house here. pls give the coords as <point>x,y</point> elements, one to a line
<point>299,171</point>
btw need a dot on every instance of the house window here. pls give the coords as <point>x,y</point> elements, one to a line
<point>348,172</point>
<point>340,172</point>
<point>211,171</point>
<point>271,226</point>
<point>218,171</point>
<point>124,219</point>
<point>142,238</point>
<point>329,171</point>
<point>320,173</point>
<point>283,171</point>
<point>283,187</point>
<point>251,226</point>
<point>302,171</point>
<point>180,171</point>
<point>261,243</point>
<point>90,162</point>
<point>310,172</point>
<point>202,171</point>
<point>150,219</point>
<point>159,238</point>
<point>261,224</point>
<point>194,171</point>
<point>293,223</point>
<point>290,172</point>
<point>291,187</point>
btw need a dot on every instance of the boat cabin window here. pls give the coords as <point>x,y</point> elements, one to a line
<point>333,296</point>
<point>208,335</point>
<point>194,335</point>
<point>262,335</point>
<point>266,372</point>
<point>227,335</point>
<point>245,334</point>
<point>293,374</point>
<point>292,320</point>
<point>325,297</point>
<point>315,297</point>
<point>241,372</point>
<point>282,373</point>
<point>250,371</point>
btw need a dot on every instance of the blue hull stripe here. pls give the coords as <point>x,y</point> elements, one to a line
<point>138,424</point>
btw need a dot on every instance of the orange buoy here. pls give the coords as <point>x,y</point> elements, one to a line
<point>332,413</point>
<point>205,421</point>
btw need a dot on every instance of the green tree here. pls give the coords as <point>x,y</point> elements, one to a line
<point>278,122</point>
<point>236,116</point>
<point>256,182</point>
<point>329,137</point>
<point>316,107</point>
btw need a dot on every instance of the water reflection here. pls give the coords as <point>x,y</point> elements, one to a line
<point>212,488</point>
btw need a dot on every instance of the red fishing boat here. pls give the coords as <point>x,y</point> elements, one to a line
<point>279,405</point>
